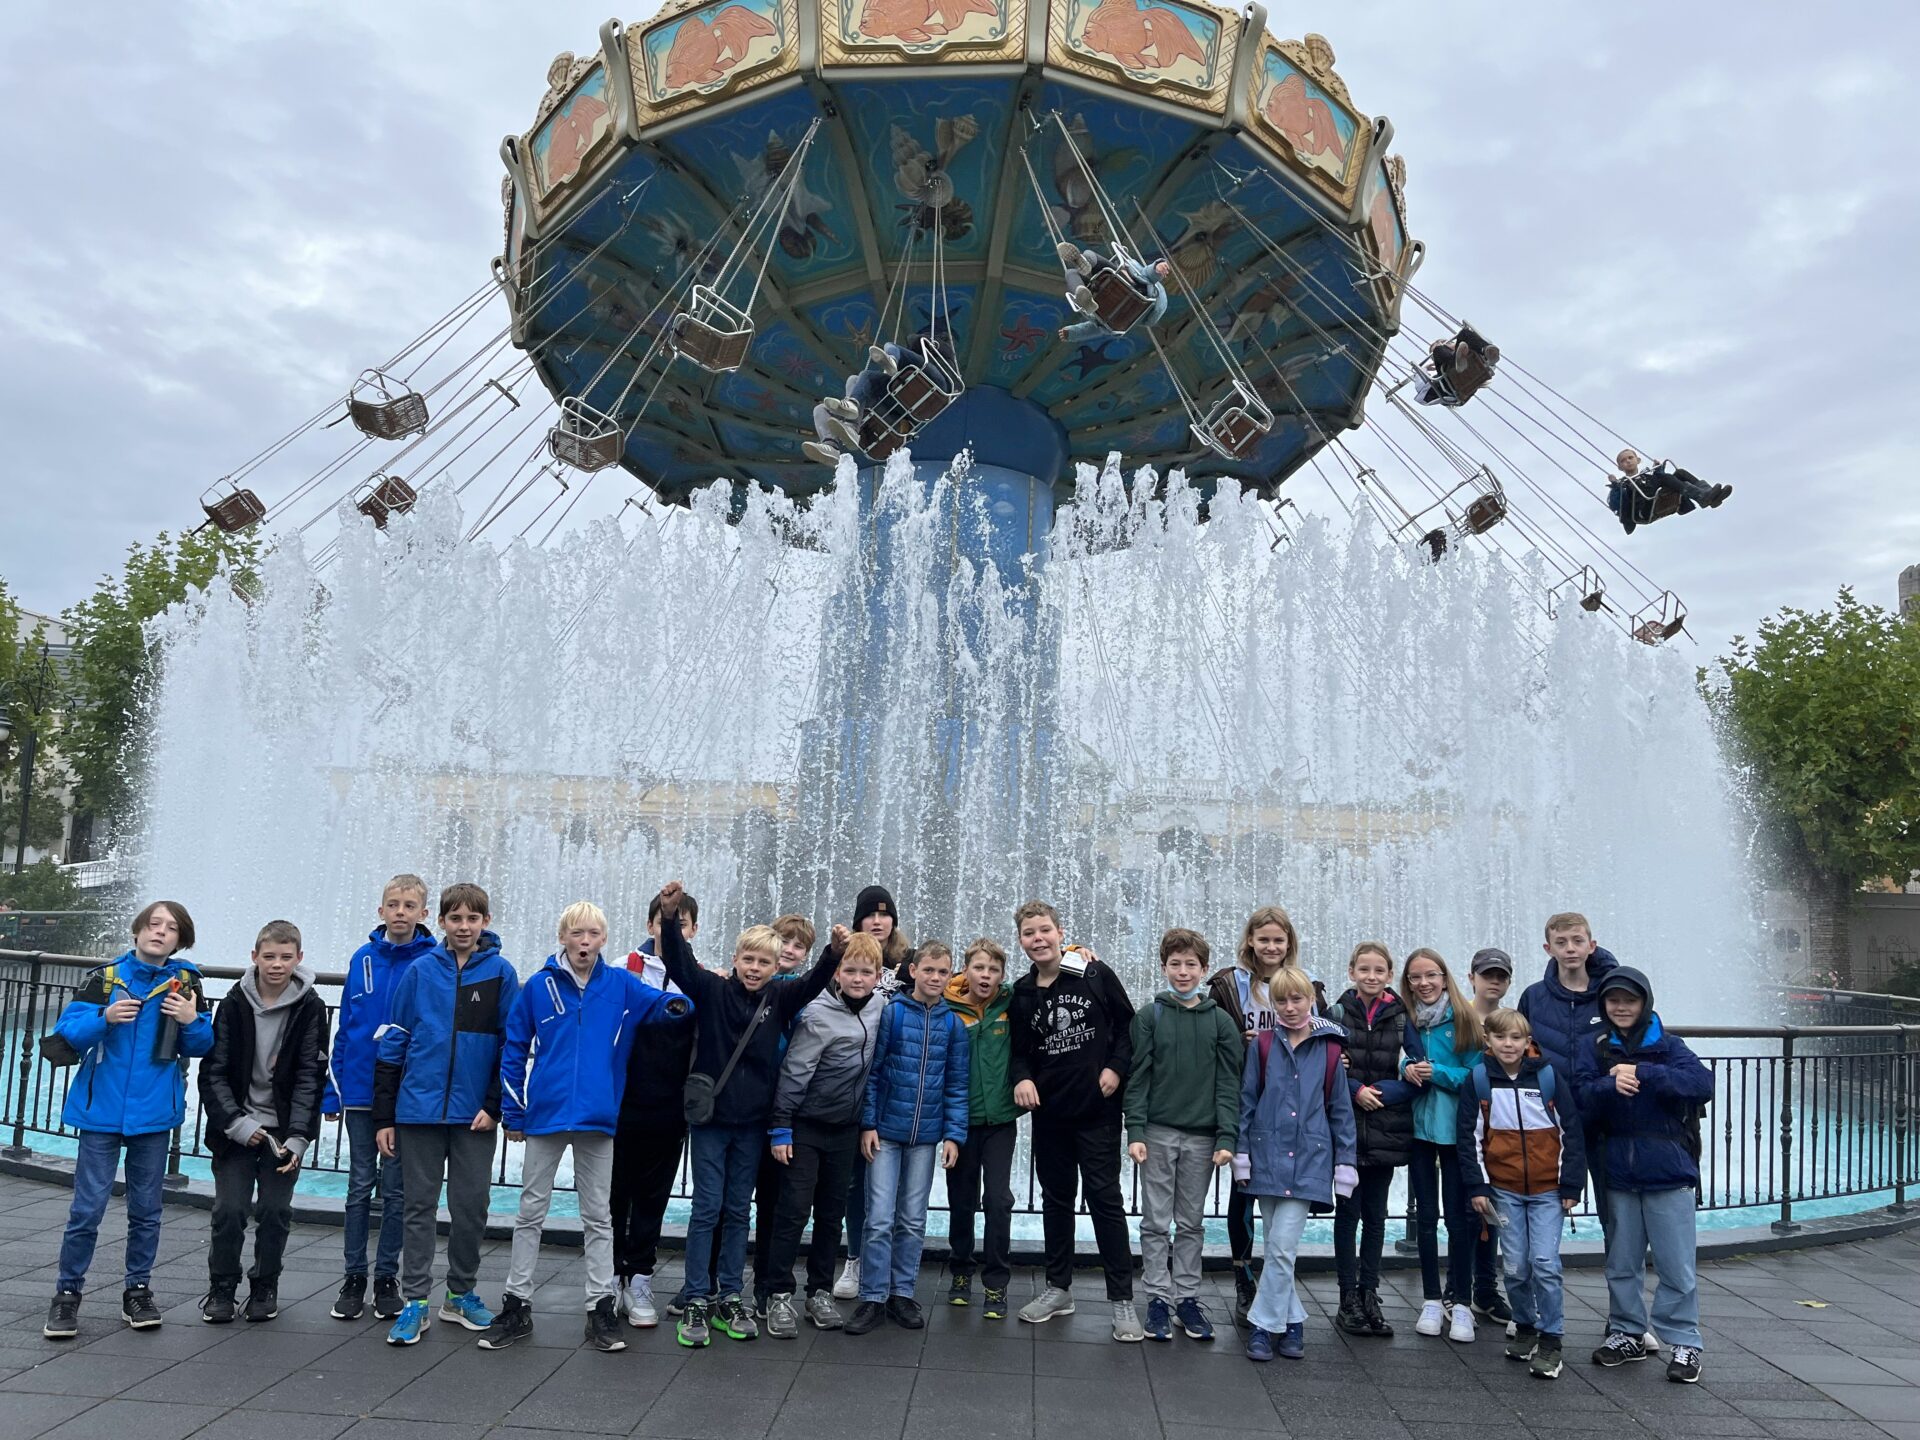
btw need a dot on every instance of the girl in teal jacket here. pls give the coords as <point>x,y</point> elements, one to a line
<point>1454,1041</point>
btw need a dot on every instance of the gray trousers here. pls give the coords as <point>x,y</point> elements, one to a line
<point>593,1178</point>
<point>1173,1202</point>
<point>465,1158</point>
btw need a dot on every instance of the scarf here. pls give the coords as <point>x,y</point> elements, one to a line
<point>1428,1016</point>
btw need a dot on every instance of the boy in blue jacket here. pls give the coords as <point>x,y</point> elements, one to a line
<point>372,974</point>
<point>1643,1089</point>
<point>436,1103</point>
<point>1563,1007</point>
<point>917,1105</point>
<point>561,1074</point>
<point>131,1026</point>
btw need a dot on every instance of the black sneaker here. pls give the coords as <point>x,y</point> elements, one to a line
<point>960,1290</point>
<point>63,1316</point>
<point>904,1311</point>
<point>867,1315</point>
<point>1494,1308</point>
<point>733,1320</point>
<point>1377,1325</point>
<point>1684,1367</point>
<point>995,1306</point>
<point>603,1326</point>
<point>1619,1348</point>
<point>1244,1289</point>
<point>1352,1316</point>
<point>263,1301</point>
<point>387,1303</point>
<point>1520,1345</point>
<point>137,1308</point>
<point>1545,1361</point>
<point>351,1302</point>
<point>512,1321</point>
<point>219,1308</point>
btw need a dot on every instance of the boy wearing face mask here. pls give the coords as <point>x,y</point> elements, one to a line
<point>1183,1121</point>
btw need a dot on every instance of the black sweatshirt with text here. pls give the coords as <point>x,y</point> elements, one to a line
<point>1065,1034</point>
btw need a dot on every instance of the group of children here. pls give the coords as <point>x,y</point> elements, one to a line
<point>828,1094</point>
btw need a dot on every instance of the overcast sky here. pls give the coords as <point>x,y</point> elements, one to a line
<point>1695,219</point>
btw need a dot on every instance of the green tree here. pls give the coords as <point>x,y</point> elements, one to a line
<point>30,703</point>
<point>112,672</point>
<point>43,885</point>
<point>1819,717</point>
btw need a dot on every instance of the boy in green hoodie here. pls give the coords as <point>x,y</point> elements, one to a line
<point>979,995</point>
<point>1183,1120</point>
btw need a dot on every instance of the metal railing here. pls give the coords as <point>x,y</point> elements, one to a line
<point>1802,1115</point>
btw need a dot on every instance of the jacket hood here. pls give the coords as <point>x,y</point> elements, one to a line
<point>560,963</point>
<point>298,984</point>
<point>967,1009</point>
<point>419,945</point>
<point>1205,1001</point>
<point>905,997</point>
<point>489,945</point>
<point>1648,1033</point>
<point>1599,965</point>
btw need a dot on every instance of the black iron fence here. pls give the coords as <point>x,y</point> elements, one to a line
<point>1806,1119</point>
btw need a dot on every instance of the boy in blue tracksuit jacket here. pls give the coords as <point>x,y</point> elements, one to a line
<point>365,995</point>
<point>1643,1090</point>
<point>917,1105</point>
<point>131,1027</point>
<point>562,1072</point>
<point>1563,1007</point>
<point>436,1103</point>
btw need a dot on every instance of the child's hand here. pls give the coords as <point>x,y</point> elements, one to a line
<point>123,1011</point>
<point>383,1141</point>
<point>1419,1072</point>
<point>178,1008</point>
<point>482,1123</point>
<point>1566,1205</point>
<point>1483,1204</point>
<point>1109,1082</point>
<point>949,1154</point>
<point>1222,1157</point>
<point>1368,1098</point>
<point>869,1145</point>
<point>783,1153</point>
<point>292,1163</point>
<point>259,1137</point>
<point>1137,1151</point>
<point>670,894</point>
<point>837,940</point>
<point>1625,1081</point>
<point>514,1137</point>
<point>1027,1095</point>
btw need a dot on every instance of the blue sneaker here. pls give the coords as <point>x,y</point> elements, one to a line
<point>466,1310</point>
<point>1159,1324</point>
<point>1193,1319</point>
<point>1259,1344</point>
<point>1293,1344</point>
<point>415,1320</point>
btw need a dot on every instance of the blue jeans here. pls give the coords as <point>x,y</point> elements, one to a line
<point>1661,1221</point>
<point>1530,1249</point>
<point>726,1160</point>
<point>93,1166</point>
<point>899,1180</point>
<point>364,1164</point>
<point>1277,1304</point>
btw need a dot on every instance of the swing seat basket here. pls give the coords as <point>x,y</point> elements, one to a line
<point>585,439</point>
<point>1484,512</point>
<point>384,496</point>
<point>1118,303</point>
<point>385,409</point>
<point>231,509</point>
<point>1235,424</point>
<point>712,332</point>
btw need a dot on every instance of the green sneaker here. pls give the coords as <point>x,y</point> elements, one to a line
<point>733,1320</point>
<point>996,1305</point>
<point>692,1329</point>
<point>960,1291</point>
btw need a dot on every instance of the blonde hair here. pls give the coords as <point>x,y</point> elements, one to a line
<point>1468,1033</point>
<point>1507,1022</point>
<point>1289,982</point>
<point>991,949</point>
<point>581,914</point>
<point>758,940</point>
<point>407,885</point>
<point>1371,947</point>
<point>1246,959</point>
<point>861,948</point>
<point>1568,920</point>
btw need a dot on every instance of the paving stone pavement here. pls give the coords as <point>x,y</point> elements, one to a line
<point>1820,1344</point>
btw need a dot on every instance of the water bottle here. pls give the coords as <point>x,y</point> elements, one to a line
<point>166,1039</point>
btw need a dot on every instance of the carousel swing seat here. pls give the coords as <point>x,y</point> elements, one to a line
<point>1236,423</point>
<point>712,332</point>
<point>1118,303</point>
<point>386,409</point>
<point>383,496</point>
<point>230,508</point>
<point>585,438</point>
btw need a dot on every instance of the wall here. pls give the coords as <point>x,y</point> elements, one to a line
<point>1886,931</point>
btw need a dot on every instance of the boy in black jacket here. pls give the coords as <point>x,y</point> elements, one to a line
<point>260,1087</point>
<point>1072,1049</point>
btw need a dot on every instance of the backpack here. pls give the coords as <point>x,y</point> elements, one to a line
<point>1483,1084</point>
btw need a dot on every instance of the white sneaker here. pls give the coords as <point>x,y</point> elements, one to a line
<point>640,1310</point>
<point>1049,1303</point>
<point>1462,1327</point>
<point>1652,1342</point>
<point>847,1287</point>
<point>1433,1319</point>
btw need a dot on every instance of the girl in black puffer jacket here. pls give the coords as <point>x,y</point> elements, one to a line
<point>1379,1033</point>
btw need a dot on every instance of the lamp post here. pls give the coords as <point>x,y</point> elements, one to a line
<point>29,745</point>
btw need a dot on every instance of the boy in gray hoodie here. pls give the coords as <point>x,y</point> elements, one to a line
<point>260,1087</point>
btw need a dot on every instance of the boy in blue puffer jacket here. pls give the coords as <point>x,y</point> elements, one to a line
<point>131,1026</point>
<point>1563,1007</point>
<point>917,1104</point>
<point>365,994</point>
<point>436,1103</point>
<point>1643,1089</point>
<point>561,1074</point>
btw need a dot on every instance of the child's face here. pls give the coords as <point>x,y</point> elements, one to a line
<point>930,976</point>
<point>1271,947</point>
<point>1184,971</point>
<point>754,967</point>
<point>1425,981</point>
<point>583,943</point>
<point>688,927</point>
<point>275,960</point>
<point>1491,985</point>
<point>1370,973</point>
<point>856,978</point>
<point>792,953</point>
<point>1040,938</point>
<point>1295,1011</point>
<point>1624,1008</point>
<point>159,937</point>
<point>879,925</point>
<point>401,911</point>
<point>983,976</point>
<point>462,927</point>
<point>1570,947</point>
<point>1509,1050</point>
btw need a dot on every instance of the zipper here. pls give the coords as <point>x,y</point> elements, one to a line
<point>453,1044</point>
<point>920,1090</point>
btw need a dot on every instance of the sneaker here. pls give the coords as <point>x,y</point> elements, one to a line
<point>137,1308</point>
<point>1159,1321</point>
<point>1433,1319</point>
<point>512,1321</point>
<point>1684,1367</point>
<point>1126,1323</point>
<point>843,432</point>
<point>219,1308</point>
<point>960,1290</point>
<point>414,1320</point>
<point>1494,1308</point>
<point>820,452</point>
<point>867,1316</point>
<point>1352,1315</point>
<point>351,1302</point>
<point>1083,300</point>
<point>640,1310</point>
<point>1070,255</point>
<point>692,1330</point>
<point>1245,1287</point>
<point>1460,1328</point>
<point>882,361</point>
<point>822,1313</point>
<point>1293,1344</point>
<point>844,409</point>
<point>1651,1344</point>
<point>1377,1325</point>
<point>1194,1319</point>
<point>733,1320</point>
<point>263,1301</point>
<point>603,1326</point>
<point>1259,1345</point>
<point>1619,1349</point>
<point>905,1312</point>
<point>1520,1345</point>
<point>466,1310</point>
<point>783,1318</point>
<point>760,1306</point>
<point>1545,1364</point>
<point>1047,1304</point>
<point>678,1304</point>
<point>63,1316</point>
<point>995,1304</point>
<point>847,1287</point>
<point>387,1303</point>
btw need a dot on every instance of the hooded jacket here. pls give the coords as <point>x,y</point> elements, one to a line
<point>1187,1065</point>
<point>1294,1127</point>
<point>824,1077</point>
<point>268,1065</point>
<point>1231,990</point>
<point>365,993</point>
<point>917,1089</point>
<point>1436,1104</point>
<point>120,1088</point>
<point>657,1068</point>
<point>1376,1045</point>
<point>989,1053</point>
<point>440,1048</point>
<point>1565,1021</point>
<point>1650,1135</point>
<point>1066,1034</point>
<point>1517,1139</point>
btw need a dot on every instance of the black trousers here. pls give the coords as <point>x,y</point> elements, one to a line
<point>814,1183</point>
<point>1433,1178</point>
<point>247,1182</point>
<point>766,1207</point>
<point>1366,1211</point>
<point>1084,1156</point>
<point>1241,1208</point>
<point>983,1178</point>
<point>646,1160</point>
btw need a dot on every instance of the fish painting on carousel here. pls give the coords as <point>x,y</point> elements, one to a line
<point>704,51</point>
<point>919,22</point>
<point>576,125</point>
<point>1142,37</point>
<point>1308,124</point>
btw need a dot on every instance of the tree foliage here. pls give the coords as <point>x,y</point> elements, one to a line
<point>30,705</point>
<point>42,885</point>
